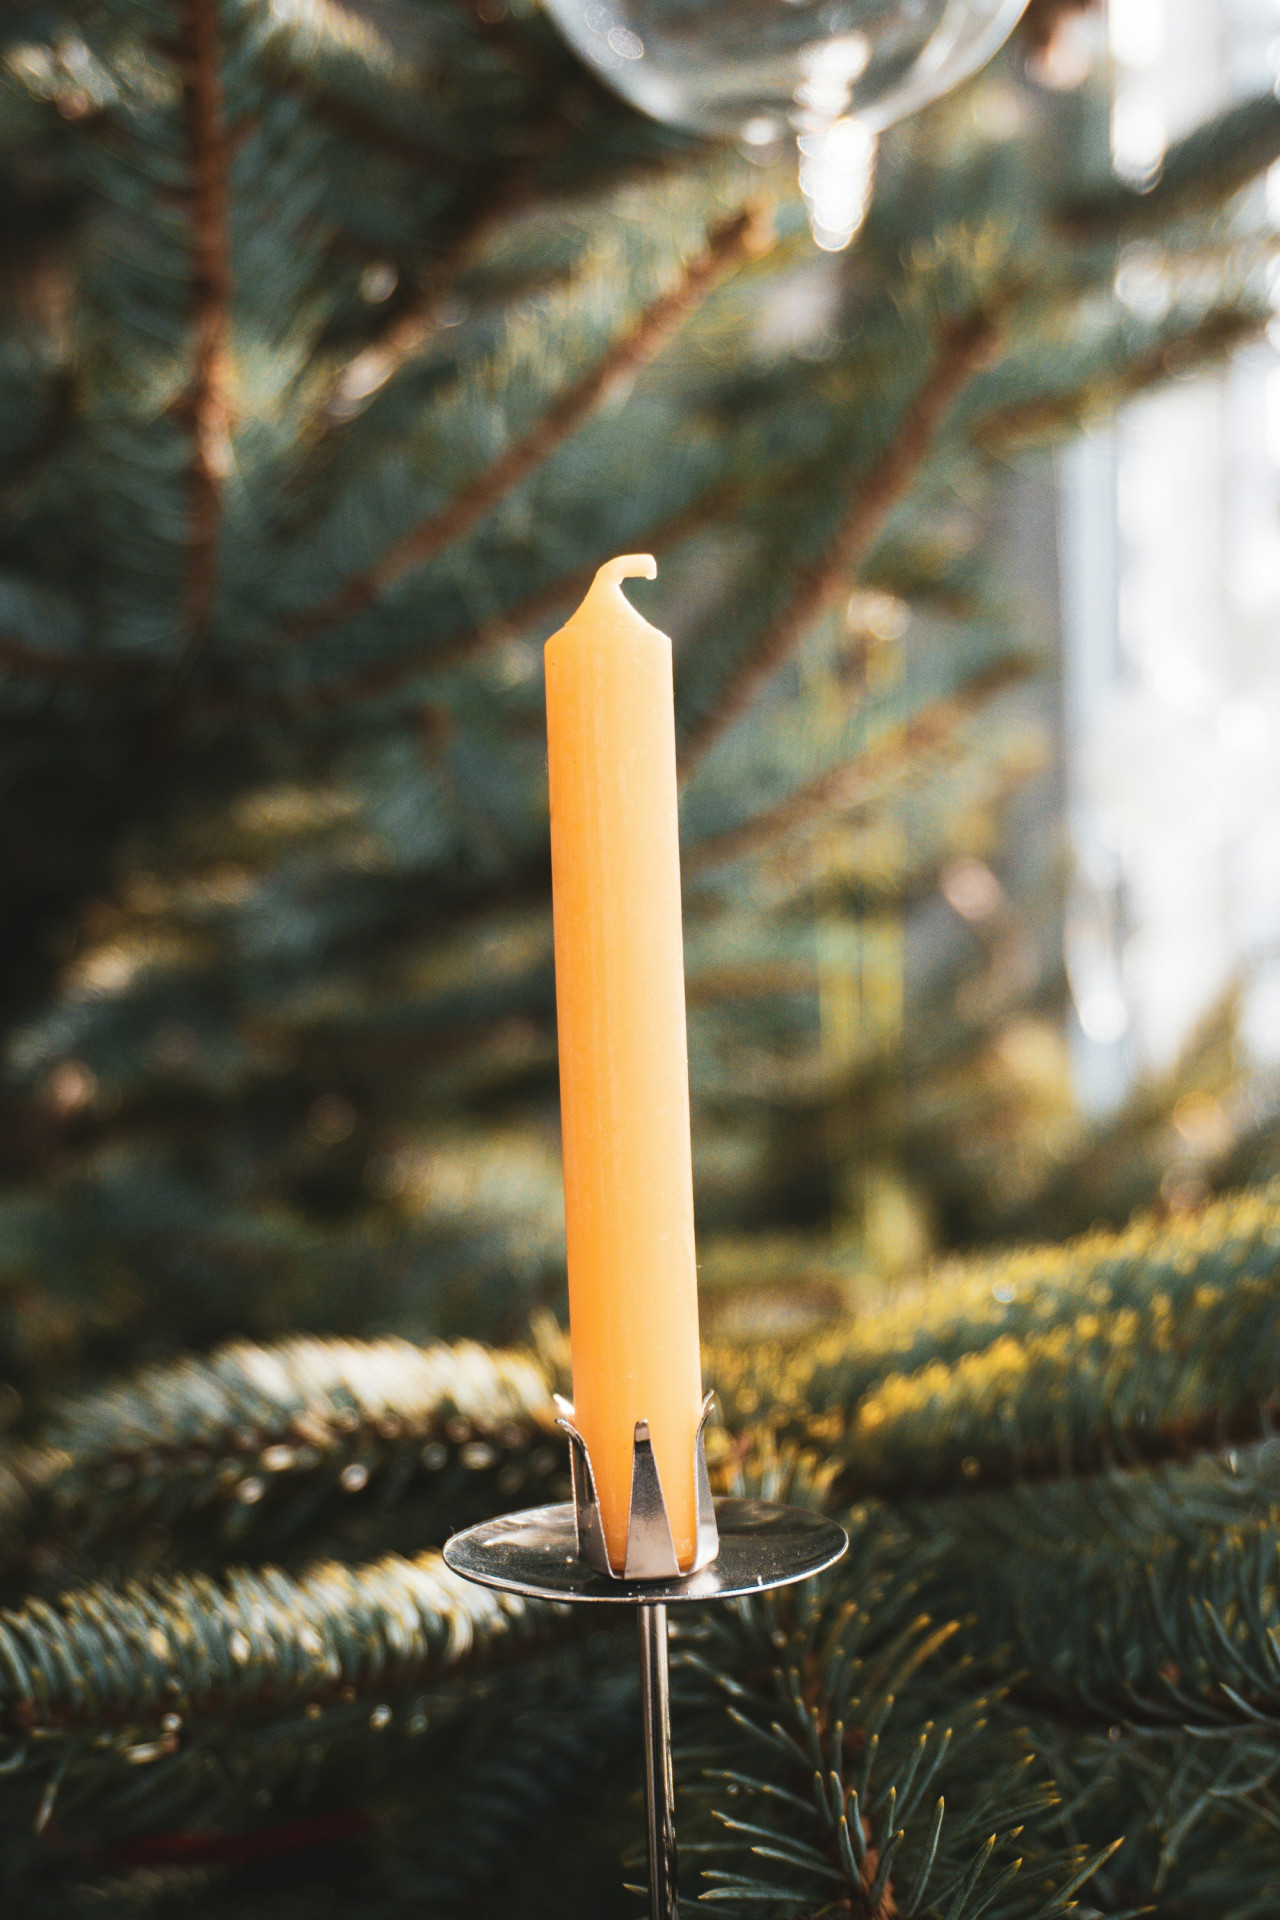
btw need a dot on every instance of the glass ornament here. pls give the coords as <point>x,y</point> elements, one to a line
<point>833,73</point>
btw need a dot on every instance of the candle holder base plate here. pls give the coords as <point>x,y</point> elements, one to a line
<point>535,1553</point>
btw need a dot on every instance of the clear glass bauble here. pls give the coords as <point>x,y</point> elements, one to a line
<point>833,73</point>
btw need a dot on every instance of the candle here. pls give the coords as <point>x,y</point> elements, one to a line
<point>624,1074</point>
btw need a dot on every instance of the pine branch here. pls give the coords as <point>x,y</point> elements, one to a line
<point>565,1757</point>
<point>84,669</point>
<point>514,47</point>
<point>466,1781</point>
<point>370,132</point>
<point>831,1778</point>
<point>468,644</point>
<point>60,417</point>
<point>1213,337</point>
<point>963,348</point>
<point>367,132</point>
<point>854,782</point>
<point>102,1657</point>
<point>488,205</point>
<point>740,238</point>
<point>207,402</point>
<point>1153,1602</point>
<point>1141,1622</point>
<point>250,1428</point>
<point>1199,174</point>
<point>1116,1351</point>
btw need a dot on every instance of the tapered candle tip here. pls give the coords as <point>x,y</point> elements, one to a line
<point>629,566</point>
<point>606,613</point>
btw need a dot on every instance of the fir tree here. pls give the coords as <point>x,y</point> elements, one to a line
<point>340,344</point>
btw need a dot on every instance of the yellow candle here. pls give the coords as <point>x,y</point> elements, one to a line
<point>624,1074</point>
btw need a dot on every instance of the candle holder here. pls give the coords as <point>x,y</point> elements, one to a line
<point>743,1547</point>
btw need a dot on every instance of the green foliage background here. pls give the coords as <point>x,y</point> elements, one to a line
<point>339,344</point>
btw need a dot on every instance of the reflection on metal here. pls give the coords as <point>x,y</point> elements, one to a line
<point>588,1526</point>
<point>651,1553</point>
<point>535,1553</point>
<point>659,1780</point>
<point>706,1533</point>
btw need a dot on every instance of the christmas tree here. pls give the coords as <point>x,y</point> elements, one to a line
<point>341,343</point>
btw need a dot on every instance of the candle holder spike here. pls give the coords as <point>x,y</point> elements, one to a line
<point>743,1548</point>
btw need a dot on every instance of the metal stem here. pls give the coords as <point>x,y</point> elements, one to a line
<point>659,1786</point>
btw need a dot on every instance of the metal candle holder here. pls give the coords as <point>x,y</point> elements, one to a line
<point>558,1553</point>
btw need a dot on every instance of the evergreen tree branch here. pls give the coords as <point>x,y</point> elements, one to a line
<point>963,347</point>
<point>102,1657</point>
<point>1199,173</point>
<point>496,1811</point>
<point>248,1427</point>
<point>381,88</point>
<point>833,1780</point>
<point>60,416</point>
<point>1212,338</point>
<point>458,648</point>
<point>207,402</point>
<point>466,1776</point>
<point>1155,1602</point>
<point>1118,1350</point>
<point>366,131</point>
<point>964,1388</point>
<point>1141,1621</point>
<point>483,211</point>
<point>737,239</point>
<point>514,47</point>
<point>854,782</point>
<point>489,202</point>
<point>84,669</point>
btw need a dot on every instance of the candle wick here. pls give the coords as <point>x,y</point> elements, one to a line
<point>628,566</point>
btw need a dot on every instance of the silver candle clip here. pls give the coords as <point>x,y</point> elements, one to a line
<point>651,1553</point>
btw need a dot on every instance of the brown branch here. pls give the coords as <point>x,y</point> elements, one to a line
<point>87,668</point>
<point>963,348</point>
<point>408,328</point>
<point>1212,338</point>
<point>512,46</point>
<point>487,204</point>
<point>571,586</point>
<point>738,239</point>
<point>367,131</point>
<point>855,781</point>
<point>490,202</point>
<point>207,401</point>
<point>512,621</point>
<point>1040,23</point>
